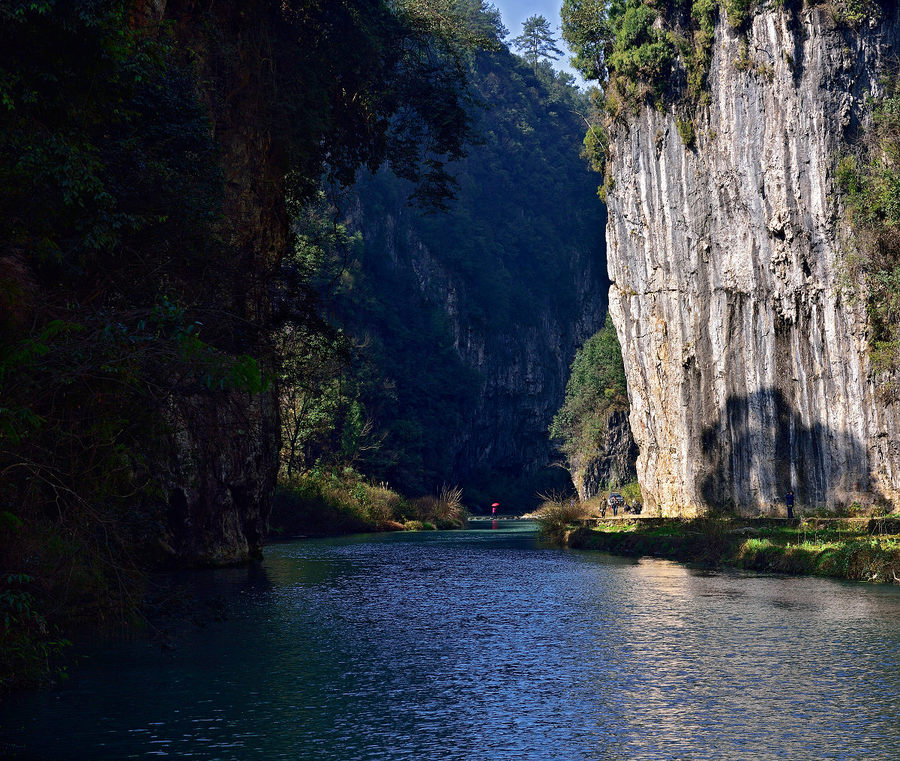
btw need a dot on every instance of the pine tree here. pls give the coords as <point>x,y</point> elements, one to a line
<point>537,41</point>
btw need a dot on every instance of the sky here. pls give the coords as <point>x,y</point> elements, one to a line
<point>514,12</point>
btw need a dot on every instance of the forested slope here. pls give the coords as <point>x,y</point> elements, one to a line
<point>469,319</point>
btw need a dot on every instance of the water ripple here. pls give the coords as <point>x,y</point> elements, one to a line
<point>480,645</point>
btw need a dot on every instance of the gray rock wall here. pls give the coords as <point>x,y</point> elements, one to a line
<point>747,364</point>
<point>612,466</point>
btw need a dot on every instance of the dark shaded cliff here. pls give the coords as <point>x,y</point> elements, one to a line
<point>480,309</point>
<point>147,154</point>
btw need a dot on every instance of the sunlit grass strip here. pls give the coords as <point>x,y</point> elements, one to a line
<point>853,555</point>
<point>875,559</point>
<point>323,503</point>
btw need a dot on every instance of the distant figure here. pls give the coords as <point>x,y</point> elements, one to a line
<point>614,500</point>
<point>789,501</point>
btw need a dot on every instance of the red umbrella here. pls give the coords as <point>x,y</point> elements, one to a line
<point>495,504</point>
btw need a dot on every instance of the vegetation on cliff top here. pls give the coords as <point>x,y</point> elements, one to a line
<point>659,52</point>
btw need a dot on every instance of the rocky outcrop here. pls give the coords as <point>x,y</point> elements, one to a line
<point>223,459</point>
<point>613,466</point>
<point>222,478</point>
<point>746,360</point>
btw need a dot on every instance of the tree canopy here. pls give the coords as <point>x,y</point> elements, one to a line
<point>596,389</point>
<point>537,42</point>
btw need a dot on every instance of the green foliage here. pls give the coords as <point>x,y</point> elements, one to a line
<point>341,501</point>
<point>641,54</point>
<point>620,40</point>
<point>28,646</point>
<point>870,182</point>
<point>635,47</point>
<point>537,42</point>
<point>501,243</point>
<point>134,281</point>
<point>595,390</point>
<point>818,548</point>
<point>697,55</point>
<point>738,12</point>
<point>852,13</point>
<point>586,29</point>
<point>685,129</point>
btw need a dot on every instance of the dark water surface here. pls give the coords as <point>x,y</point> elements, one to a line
<point>481,645</point>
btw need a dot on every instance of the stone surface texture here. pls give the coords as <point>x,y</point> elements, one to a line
<point>612,466</point>
<point>222,463</point>
<point>746,361</point>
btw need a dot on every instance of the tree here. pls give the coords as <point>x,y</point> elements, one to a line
<point>537,41</point>
<point>585,27</point>
<point>595,390</point>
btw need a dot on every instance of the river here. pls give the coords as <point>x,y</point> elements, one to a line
<point>481,644</point>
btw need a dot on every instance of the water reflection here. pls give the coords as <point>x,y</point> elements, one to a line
<point>482,645</point>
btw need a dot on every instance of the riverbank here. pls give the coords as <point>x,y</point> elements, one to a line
<point>340,503</point>
<point>857,549</point>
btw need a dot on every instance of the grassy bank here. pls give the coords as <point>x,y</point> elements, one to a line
<point>856,549</point>
<point>335,503</point>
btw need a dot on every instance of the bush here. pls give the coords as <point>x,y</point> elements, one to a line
<point>555,517</point>
<point>596,388</point>
<point>445,511</point>
<point>686,131</point>
<point>328,503</point>
<point>27,643</point>
<point>331,503</point>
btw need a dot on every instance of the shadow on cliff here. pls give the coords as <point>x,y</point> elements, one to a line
<point>759,448</point>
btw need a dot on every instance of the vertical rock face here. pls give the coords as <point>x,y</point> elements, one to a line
<point>747,364</point>
<point>519,369</point>
<point>221,476</point>
<point>613,467</point>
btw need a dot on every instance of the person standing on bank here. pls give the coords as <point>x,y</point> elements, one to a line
<point>789,501</point>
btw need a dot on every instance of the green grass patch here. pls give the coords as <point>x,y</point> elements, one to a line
<point>839,549</point>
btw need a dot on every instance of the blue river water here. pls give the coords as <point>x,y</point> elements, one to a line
<point>482,644</point>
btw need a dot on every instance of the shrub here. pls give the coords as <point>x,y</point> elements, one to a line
<point>686,132</point>
<point>445,511</point>
<point>556,516</point>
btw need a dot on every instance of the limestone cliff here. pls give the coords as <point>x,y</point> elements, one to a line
<point>747,363</point>
<point>220,475</point>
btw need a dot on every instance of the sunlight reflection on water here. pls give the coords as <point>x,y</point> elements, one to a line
<point>482,645</point>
